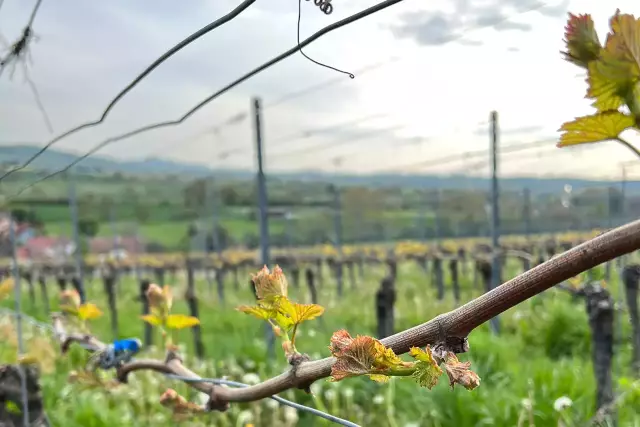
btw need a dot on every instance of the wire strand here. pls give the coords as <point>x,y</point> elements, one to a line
<point>355,17</point>
<point>39,104</point>
<point>311,59</point>
<point>286,402</point>
<point>193,37</point>
<point>34,12</point>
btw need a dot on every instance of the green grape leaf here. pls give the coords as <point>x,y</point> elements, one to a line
<point>364,355</point>
<point>12,407</point>
<point>355,359</point>
<point>427,370</point>
<point>298,313</point>
<point>181,321</point>
<point>613,77</point>
<point>598,127</point>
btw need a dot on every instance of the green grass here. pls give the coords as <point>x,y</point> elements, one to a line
<point>543,353</point>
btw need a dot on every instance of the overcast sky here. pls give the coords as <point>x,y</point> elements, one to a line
<point>441,68</point>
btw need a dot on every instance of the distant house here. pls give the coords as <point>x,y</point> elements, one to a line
<point>118,245</point>
<point>46,249</point>
<point>24,232</point>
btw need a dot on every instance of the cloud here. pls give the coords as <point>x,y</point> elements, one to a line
<point>430,28</point>
<point>483,130</point>
<point>469,42</point>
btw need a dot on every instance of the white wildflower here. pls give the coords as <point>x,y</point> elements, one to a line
<point>245,417</point>
<point>348,392</point>
<point>251,378</point>
<point>202,399</point>
<point>526,404</point>
<point>271,404</point>
<point>562,403</point>
<point>316,389</point>
<point>249,364</point>
<point>312,333</point>
<point>378,399</point>
<point>66,391</point>
<point>159,418</point>
<point>330,395</point>
<point>290,415</point>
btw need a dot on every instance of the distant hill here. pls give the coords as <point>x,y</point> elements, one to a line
<point>54,159</point>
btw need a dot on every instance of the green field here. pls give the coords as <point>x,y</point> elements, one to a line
<point>542,354</point>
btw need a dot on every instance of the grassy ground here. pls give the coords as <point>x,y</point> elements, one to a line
<point>542,354</point>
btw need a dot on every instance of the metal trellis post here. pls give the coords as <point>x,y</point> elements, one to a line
<point>495,215</point>
<point>18,308</point>
<point>73,207</point>
<point>262,207</point>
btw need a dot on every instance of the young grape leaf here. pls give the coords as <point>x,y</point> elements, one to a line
<point>459,372</point>
<point>427,370</point>
<point>385,356</point>
<point>257,311</point>
<point>606,91</point>
<point>354,360</point>
<point>612,79</point>
<point>602,126</point>
<point>363,355</point>
<point>583,44</point>
<point>181,321</point>
<point>298,313</point>
<point>89,311</point>
<point>6,287</point>
<point>152,319</point>
<point>12,407</point>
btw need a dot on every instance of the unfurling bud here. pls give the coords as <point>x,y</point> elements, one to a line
<point>170,397</point>
<point>160,299</point>
<point>70,300</point>
<point>270,285</point>
<point>459,373</point>
<point>181,407</point>
<point>583,44</point>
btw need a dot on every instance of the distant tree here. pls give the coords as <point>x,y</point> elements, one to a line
<point>224,239</point>
<point>88,227</point>
<point>194,194</point>
<point>251,240</point>
<point>192,230</point>
<point>142,212</point>
<point>20,214</point>
<point>229,196</point>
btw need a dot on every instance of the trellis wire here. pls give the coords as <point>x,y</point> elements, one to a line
<point>286,402</point>
<point>216,381</point>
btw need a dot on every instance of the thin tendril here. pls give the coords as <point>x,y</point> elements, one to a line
<point>311,59</point>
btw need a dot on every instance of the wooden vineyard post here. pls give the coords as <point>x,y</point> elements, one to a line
<point>385,301</point>
<point>192,302</point>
